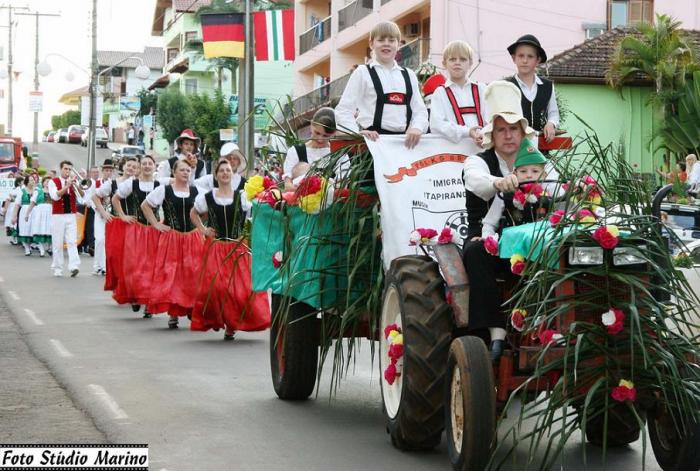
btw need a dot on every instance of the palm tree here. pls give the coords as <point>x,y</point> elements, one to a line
<point>228,6</point>
<point>660,52</point>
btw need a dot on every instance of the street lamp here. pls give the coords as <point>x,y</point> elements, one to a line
<point>3,73</point>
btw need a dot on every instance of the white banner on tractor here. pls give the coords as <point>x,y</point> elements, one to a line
<point>419,188</point>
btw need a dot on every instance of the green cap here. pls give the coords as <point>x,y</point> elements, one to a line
<point>529,155</point>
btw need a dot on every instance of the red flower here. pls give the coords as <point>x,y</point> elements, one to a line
<point>272,197</point>
<point>390,374</point>
<point>606,237</point>
<point>624,392</point>
<point>613,320</point>
<point>548,336</point>
<point>518,268</point>
<point>556,217</point>
<point>519,199</point>
<point>585,216</point>
<point>277,259</point>
<point>426,233</point>
<point>491,245</point>
<point>309,186</point>
<point>589,180</point>
<point>517,319</point>
<point>449,298</point>
<point>269,183</point>
<point>445,236</point>
<point>389,328</point>
<point>553,377</point>
<point>395,351</point>
<point>361,199</point>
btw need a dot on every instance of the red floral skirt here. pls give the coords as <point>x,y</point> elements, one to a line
<point>225,298</point>
<point>140,248</point>
<point>176,267</point>
<point>114,252</point>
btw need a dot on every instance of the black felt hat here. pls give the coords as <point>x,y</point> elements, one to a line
<point>530,40</point>
<point>108,163</point>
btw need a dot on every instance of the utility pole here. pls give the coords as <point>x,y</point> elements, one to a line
<point>93,89</point>
<point>36,15</point>
<point>8,131</point>
<point>246,121</point>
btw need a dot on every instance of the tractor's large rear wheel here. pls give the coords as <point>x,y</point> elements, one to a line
<point>414,300</point>
<point>675,447</point>
<point>470,404</point>
<point>622,427</point>
<point>293,348</point>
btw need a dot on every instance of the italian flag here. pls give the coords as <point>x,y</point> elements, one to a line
<point>274,35</point>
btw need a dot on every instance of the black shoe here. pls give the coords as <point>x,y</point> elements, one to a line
<point>496,349</point>
<point>136,307</point>
<point>74,273</point>
<point>230,336</point>
<point>172,324</point>
<point>147,315</point>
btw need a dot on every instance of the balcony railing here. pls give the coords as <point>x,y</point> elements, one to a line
<point>315,35</point>
<point>326,95</point>
<point>413,54</point>
<point>353,12</point>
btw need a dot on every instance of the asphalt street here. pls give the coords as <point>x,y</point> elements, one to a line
<point>199,402</point>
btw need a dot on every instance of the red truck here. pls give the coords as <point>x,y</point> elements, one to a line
<point>10,153</point>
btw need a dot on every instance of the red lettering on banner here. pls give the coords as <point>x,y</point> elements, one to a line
<point>412,171</point>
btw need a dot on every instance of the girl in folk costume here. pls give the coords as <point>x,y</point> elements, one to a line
<point>187,144</point>
<point>458,109</point>
<point>235,157</point>
<point>179,252</point>
<point>15,198</point>
<point>20,216</point>
<point>40,216</point>
<point>101,187</point>
<point>383,97</point>
<point>315,149</point>
<point>109,233</point>
<point>137,268</point>
<point>225,298</point>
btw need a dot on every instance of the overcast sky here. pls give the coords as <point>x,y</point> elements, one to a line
<point>122,25</point>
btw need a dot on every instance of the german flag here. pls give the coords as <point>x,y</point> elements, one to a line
<point>223,35</point>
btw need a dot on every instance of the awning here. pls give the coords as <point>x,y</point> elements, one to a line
<point>73,98</point>
<point>160,82</point>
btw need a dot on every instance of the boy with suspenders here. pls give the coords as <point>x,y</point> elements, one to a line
<point>458,109</point>
<point>382,97</point>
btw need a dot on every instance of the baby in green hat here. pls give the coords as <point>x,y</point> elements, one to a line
<point>524,205</point>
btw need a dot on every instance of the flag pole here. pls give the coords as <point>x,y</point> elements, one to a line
<point>246,122</point>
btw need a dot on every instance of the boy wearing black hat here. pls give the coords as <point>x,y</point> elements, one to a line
<point>539,100</point>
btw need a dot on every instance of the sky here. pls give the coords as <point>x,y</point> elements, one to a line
<point>122,25</point>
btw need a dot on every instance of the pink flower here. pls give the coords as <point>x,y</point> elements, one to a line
<point>613,320</point>
<point>556,217</point>
<point>589,180</point>
<point>625,391</point>
<point>422,236</point>
<point>272,197</point>
<point>269,183</point>
<point>607,236</point>
<point>491,245</point>
<point>389,328</point>
<point>289,197</point>
<point>585,216</point>
<point>548,336</point>
<point>309,186</point>
<point>565,186</point>
<point>390,373</point>
<point>395,351</point>
<point>277,259</point>
<point>519,200</point>
<point>517,319</point>
<point>533,190</point>
<point>517,264</point>
<point>447,236</point>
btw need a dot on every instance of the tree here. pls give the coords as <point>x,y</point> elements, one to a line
<point>66,119</point>
<point>149,100</point>
<point>680,132</point>
<point>172,113</point>
<point>208,114</point>
<point>660,52</point>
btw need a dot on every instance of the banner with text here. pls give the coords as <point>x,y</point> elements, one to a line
<point>419,188</point>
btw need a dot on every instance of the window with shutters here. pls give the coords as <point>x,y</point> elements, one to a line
<point>629,12</point>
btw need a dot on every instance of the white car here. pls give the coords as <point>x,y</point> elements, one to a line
<point>101,138</point>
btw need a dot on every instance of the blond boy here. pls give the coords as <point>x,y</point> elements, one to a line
<point>458,109</point>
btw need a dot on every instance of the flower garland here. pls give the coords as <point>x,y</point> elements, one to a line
<point>393,334</point>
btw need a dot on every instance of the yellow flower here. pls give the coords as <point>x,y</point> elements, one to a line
<point>613,230</point>
<point>393,334</point>
<point>627,384</point>
<point>253,186</point>
<point>311,204</point>
<point>398,340</point>
<point>516,258</point>
<point>522,312</point>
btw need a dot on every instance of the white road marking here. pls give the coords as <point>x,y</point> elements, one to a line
<point>109,402</point>
<point>13,295</point>
<point>33,317</point>
<point>60,348</point>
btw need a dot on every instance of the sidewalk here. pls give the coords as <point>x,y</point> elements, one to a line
<point>34,408</point>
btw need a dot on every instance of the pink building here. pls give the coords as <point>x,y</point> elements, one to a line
<point>334,33</point>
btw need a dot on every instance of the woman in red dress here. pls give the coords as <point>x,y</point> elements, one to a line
<point>225,298</point>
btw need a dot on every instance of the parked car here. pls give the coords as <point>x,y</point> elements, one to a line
<point>63,135</point>
<point>101,138</point>
<point>50,136</point>
<point>74,133</point>
<point>126,151</point>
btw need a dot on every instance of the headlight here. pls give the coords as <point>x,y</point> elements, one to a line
<point>628,256</point>
<point>586,256</point>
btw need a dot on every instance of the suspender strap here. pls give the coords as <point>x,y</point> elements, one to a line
<point>460,111</point>
<point>301,152</point>
<point>390,98</point>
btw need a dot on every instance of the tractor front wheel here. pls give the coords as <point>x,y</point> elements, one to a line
<point>675,447</point>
